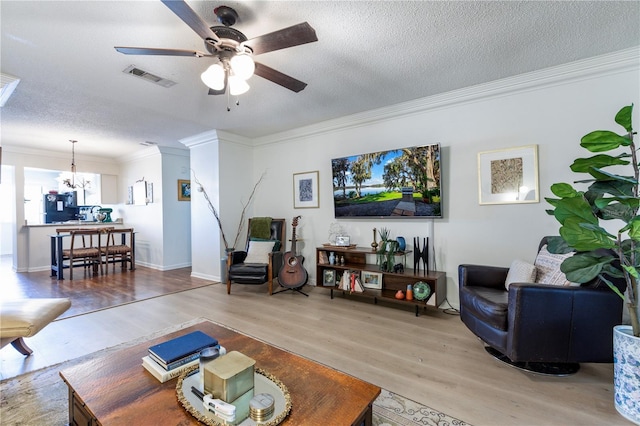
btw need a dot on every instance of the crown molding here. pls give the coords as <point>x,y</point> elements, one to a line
<point>215,136</point>
<point>18,150</point>
<point>611,63</point>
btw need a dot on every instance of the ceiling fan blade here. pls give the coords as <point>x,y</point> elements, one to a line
<point>279,78</point>
<point>191,18</point>
<point>153,51</point>
<point>281,39</point>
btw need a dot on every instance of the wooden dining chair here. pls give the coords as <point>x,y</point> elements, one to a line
<point>84,250</point>
<point>119,248</point>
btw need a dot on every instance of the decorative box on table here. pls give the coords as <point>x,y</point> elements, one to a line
<point>230,377</point>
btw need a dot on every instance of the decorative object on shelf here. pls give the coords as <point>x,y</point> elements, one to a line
<point>421,291</point>
<point>402,244</point>
<point>372,280</point>
<point>184,190</point>
<point>374,244</point>
<point>507,176</point>
<point>305,190</point>
<point>343,240</point>
<point>332,258</point>
<point>409,292</point>
<point>335,229</point>
<point>342,260</point>
<point>398,268</point>
<point>329,277</point>
<point>215,212</point>
<point>420,254</point>
<point>400,295</point>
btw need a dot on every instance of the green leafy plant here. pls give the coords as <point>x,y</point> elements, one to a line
<point>609,197</point>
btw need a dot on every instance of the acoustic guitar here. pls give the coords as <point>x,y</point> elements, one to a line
<point>292,274</point>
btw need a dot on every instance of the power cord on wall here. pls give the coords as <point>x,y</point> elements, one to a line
<point>450,310</point>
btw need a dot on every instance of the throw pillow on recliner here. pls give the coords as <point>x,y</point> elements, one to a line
<point>259,251</point>
<point>520,272</point>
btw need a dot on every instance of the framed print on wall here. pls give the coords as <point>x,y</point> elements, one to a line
<point>305,190</point>
<point>508,176</point>
<point>184,190</point>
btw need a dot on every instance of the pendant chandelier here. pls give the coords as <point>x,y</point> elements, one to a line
<point>71,182</point>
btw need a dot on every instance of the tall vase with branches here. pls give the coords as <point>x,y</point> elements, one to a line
<point>200,188</point>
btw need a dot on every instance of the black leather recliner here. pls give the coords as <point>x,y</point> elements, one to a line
<point>536,323</point>
<point>257,273</point>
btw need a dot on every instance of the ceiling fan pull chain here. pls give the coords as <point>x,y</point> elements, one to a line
<point>228,95</point>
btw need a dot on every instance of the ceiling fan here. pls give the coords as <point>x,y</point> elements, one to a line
<point>233,50</point>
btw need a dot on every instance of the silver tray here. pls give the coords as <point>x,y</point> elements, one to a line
<point>263,383</point>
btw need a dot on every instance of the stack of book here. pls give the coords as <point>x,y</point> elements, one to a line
<point>169,359</point>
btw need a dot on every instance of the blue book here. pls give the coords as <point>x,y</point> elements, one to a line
<point>181,347</point>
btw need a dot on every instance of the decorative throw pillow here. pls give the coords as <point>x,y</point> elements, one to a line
<point>260,227</point>
<point>548,267</point>
<point>276,246</point>
<point>520,272</point>
<point>259,251</point>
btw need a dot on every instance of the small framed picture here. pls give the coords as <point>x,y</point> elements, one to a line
<point>508,176</point>
<point>184,190</point>
<point>305,190</point>
<point>329,277</point>
<point>342,240</point>
<point>371,280</point>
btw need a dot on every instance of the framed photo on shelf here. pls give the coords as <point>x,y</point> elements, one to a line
<point>508,176</point>
<point>329,277</point>
<point>305,190</point>
<point>371,279</point>
<point>184,190</point>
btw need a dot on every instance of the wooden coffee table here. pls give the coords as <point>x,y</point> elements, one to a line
<point>116,389</point>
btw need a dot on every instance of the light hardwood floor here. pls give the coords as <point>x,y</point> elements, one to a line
<point>432,358</point>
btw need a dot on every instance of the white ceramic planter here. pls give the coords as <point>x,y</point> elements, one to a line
<point>626,372</point>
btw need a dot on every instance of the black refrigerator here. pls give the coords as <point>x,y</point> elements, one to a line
<point>61,207</point>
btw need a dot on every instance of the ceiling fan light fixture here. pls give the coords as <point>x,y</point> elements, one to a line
<point>237,85</point>
<point>242,66</point>
<point>214,77</point>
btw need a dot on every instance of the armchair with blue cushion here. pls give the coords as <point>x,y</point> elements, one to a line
<point>262,258</point>
<point>543,328</point>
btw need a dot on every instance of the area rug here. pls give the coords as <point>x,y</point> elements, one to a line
<point>41,397</point>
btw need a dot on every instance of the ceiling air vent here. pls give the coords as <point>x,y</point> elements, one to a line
<point>133,70</point>
<point>8,85</point>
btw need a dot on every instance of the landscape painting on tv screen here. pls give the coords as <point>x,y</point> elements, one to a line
<point>396,183</point>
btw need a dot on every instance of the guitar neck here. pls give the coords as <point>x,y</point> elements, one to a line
<point>293,241</point>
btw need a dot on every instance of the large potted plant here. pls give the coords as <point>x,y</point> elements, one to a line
<point>611,195</point>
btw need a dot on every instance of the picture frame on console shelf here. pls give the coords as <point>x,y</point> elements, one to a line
<point>329,277</point>
<point>184,190</point>
<point>306,190</point>
<point>371,280</point>
<point>508,176</point>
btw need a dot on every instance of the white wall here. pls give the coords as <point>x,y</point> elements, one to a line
<point>176,215</point>
<point>552,108</point>
<point>222,163</point>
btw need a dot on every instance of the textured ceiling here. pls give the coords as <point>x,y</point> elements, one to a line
<point>370,54</point>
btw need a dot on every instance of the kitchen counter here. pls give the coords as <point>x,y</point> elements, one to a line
<point>74,223</point>
<point>38,237</point>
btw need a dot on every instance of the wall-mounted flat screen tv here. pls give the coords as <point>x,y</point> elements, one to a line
<point>399,183</point>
